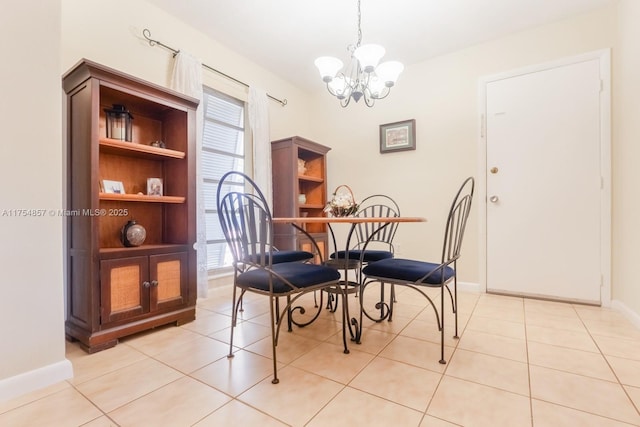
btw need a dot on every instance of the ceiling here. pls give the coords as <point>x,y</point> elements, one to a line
<point>285,36</point>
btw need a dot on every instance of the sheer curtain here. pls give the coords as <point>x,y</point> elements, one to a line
<point>259,123</point>
<point>187,78</point>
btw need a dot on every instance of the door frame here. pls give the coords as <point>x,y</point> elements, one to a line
<point>604,57</point>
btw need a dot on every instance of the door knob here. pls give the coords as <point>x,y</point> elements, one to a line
<point>494,199</point>
<point>494,170</point>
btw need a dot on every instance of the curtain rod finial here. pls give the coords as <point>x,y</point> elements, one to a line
<point>147,35</point>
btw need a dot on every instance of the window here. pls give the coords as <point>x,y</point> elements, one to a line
<point>223,149</point>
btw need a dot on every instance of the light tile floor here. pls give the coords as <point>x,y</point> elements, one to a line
<point>518,362</point>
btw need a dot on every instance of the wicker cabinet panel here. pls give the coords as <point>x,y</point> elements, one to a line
<point>168,276</point>
<point>123,288</point>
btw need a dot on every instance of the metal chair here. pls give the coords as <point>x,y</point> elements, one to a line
<point>417,274</point>
<point>234,182</point>
<point>246,223</point>
<point>374,240</point>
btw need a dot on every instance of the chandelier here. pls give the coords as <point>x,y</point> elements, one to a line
<point>364,78</point>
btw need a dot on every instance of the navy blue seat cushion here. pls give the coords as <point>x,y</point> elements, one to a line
<point>369,255</point>
<point>285,256</point>
<point>398,269</point>
<point>299,274</point>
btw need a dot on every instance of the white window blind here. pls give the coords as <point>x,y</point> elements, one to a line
<point>223,149</point>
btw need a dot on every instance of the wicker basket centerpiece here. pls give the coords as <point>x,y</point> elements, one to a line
<point>342,202</point>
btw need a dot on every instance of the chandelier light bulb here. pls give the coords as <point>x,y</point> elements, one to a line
<point>368,55</point>
<point>340,87</point>
<point>328,67</point>
<point>389,71</point>
<point>376,86</point>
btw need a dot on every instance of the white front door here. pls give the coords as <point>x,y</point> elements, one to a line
<point>544,182</point>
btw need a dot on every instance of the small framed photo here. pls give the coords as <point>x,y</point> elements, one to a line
<point>112,187</point>
<point>154,187</point>
<point>398,136</point>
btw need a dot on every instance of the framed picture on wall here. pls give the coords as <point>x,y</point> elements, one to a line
<point>398,136</point>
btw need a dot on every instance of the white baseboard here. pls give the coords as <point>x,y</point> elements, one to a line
<point>470,287</point>
<point>220,280</point>
<point>34,380</point>
<point>628,313</point>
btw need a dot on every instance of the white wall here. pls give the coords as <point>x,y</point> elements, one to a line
<point>442,95</point>
<point>31,301</point>
<point>111,34</point>
<point>626,155</point>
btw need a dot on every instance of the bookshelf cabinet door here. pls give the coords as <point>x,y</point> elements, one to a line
<point>124,288</point>
<point>168,273</point>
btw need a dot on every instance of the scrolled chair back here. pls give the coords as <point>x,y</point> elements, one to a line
<point>245,219</point>
<point>457,221</point>
<point>377,206</point>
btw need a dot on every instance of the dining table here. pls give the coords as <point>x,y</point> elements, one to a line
<point>344,287</point>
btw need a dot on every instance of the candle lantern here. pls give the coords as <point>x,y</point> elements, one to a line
<point>119,122</point>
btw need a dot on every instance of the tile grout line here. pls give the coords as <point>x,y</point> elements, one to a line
<point>442,375</point>
<point>607,361</point>
<point>526,346</point>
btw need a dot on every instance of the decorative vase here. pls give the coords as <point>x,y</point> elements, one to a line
<point>302,168</point>
<point>133,234</point>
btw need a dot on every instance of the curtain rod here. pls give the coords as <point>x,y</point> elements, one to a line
<point>147,35</point>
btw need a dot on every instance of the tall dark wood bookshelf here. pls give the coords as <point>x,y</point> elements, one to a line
<point>113,290</point>
<point>290,181</point>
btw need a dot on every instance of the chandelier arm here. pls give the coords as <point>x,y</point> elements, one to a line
<point>369,101</point>
<point>386,91</point>
<point>329,90</point>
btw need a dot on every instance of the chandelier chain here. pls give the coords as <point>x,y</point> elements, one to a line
<point>359,26</point>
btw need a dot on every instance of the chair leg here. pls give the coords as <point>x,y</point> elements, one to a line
<point>392,300</point>
<point>289,323</point>
<point>381,300</point>
<point>442,361</point>
<point>234,320</point>
<point>455,305</point>
<point>345,316</point>
<point>272,303</point>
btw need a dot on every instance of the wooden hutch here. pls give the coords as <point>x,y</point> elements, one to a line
<point>299,168</point>
<point>113,290</point>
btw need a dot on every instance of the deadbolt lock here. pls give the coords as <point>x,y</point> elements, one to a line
<point>494,170</point>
